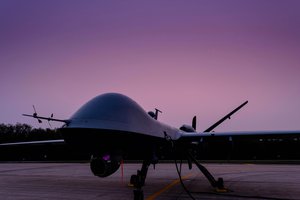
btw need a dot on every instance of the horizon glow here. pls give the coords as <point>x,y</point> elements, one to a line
<point>186,58</point>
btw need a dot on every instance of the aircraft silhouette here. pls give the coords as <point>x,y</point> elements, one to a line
<point>111,126</point>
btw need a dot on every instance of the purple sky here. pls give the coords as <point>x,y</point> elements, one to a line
<point>186,58</point>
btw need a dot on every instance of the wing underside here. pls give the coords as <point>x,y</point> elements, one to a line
<point>196,136</point>
<point>41,142</point>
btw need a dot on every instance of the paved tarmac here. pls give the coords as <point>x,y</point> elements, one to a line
<point>75,181</point>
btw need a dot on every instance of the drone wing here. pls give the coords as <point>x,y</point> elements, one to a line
<point>197,136</point>
<point>58,141</point>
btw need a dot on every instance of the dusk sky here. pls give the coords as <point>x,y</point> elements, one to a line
<point>185,57</point>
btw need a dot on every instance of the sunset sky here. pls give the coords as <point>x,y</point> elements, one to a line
<point>185,57</point>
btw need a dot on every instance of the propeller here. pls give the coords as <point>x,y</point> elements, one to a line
<point>35,114</point>
<point>194,122</point>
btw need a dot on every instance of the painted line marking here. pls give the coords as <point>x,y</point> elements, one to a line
<point>172,184</point>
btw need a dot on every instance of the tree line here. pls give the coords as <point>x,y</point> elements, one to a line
<point>38,152</point>
<point>24,132</point>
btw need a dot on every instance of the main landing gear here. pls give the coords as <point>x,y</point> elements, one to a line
<point>138,181</point>
<point>217,184</point>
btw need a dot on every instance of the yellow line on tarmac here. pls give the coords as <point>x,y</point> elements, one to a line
<point>173,183</point>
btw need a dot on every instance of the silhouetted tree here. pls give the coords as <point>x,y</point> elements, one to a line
<point>25,132</point>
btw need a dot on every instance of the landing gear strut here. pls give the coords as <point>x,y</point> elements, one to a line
<point>138,181</point>
<point>217,184</point>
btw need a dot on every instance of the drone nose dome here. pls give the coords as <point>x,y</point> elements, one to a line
<point>110,106</point>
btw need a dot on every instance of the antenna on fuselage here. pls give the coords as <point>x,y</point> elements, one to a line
<point>156,113</point>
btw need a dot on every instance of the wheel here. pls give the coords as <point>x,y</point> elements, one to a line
<point>138,194</point>
<point>220,183</point>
